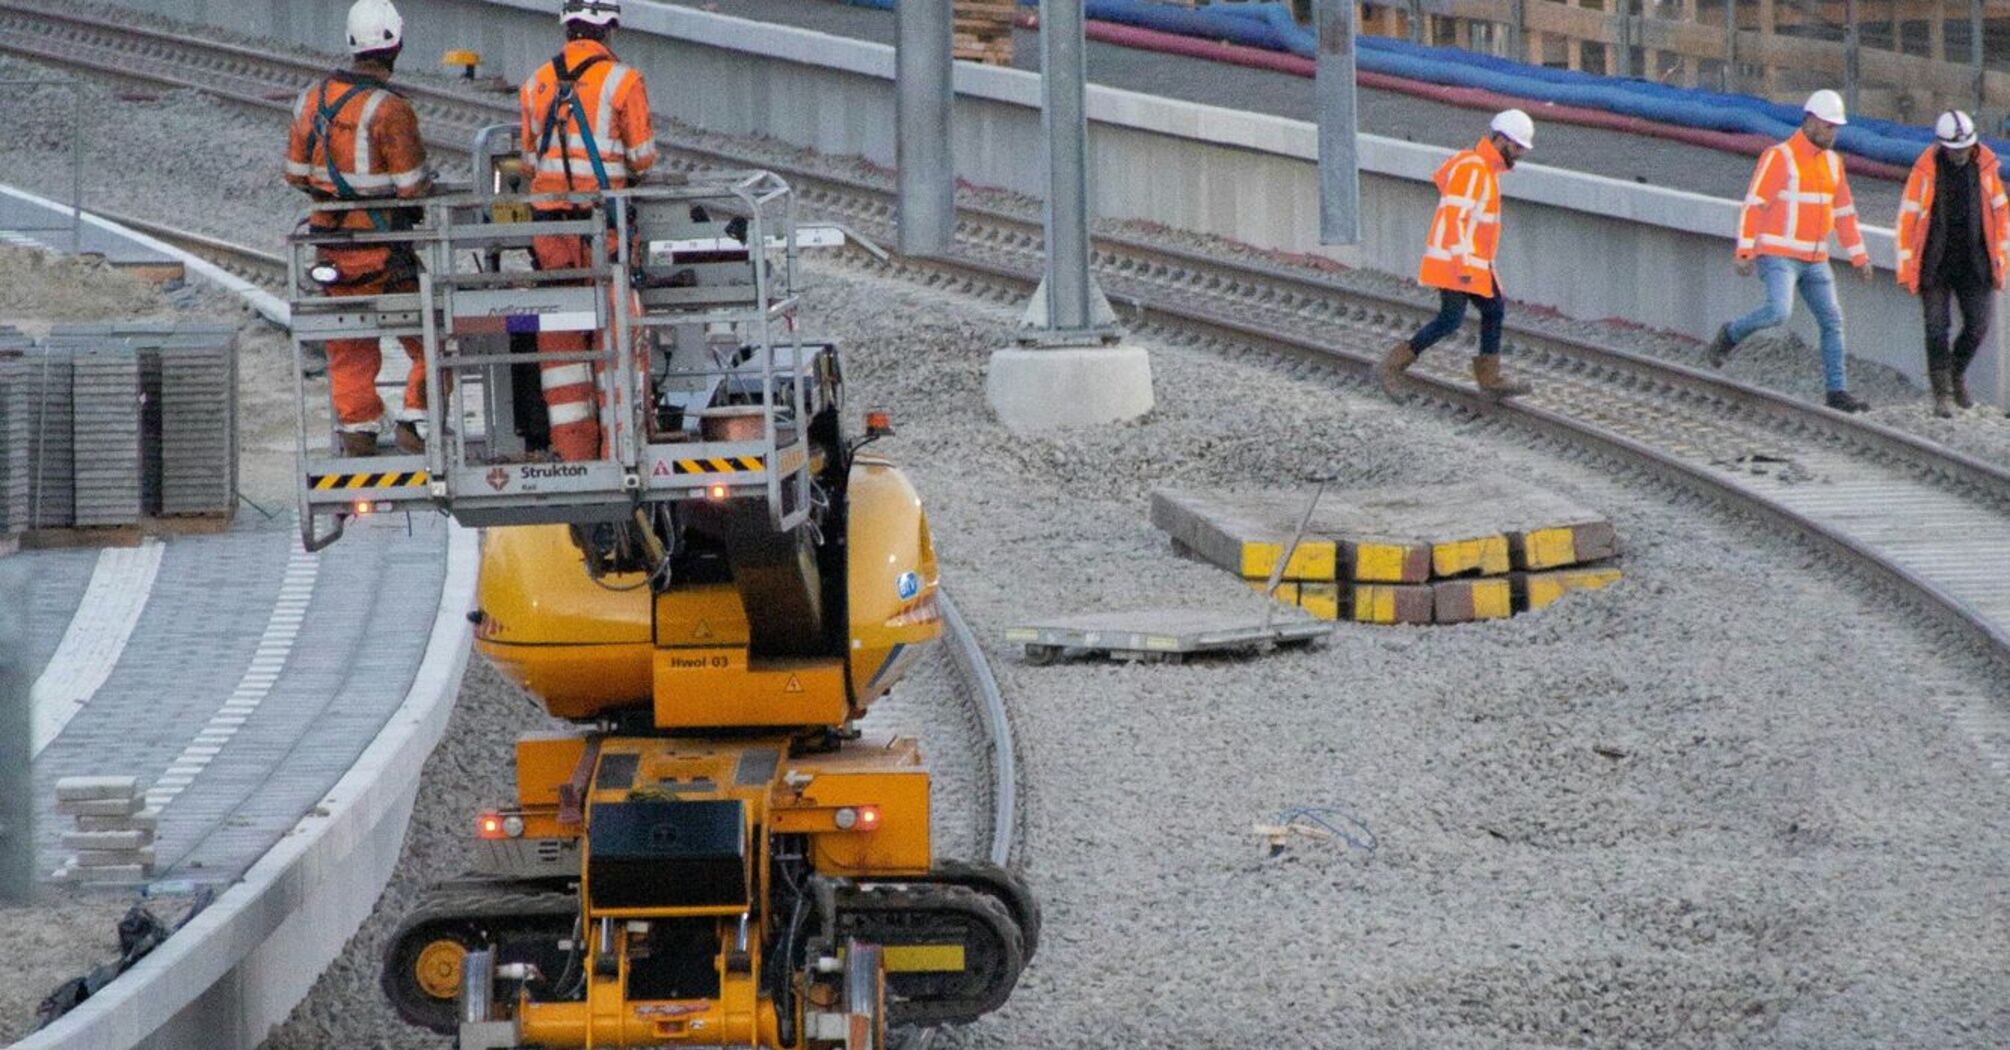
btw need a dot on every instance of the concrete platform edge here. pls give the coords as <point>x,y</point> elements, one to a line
<point>242,965</point>
<point>268,305</point>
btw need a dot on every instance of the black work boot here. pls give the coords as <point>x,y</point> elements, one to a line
<point>1958,374</point>
<point>1841,401</point>
<point>1719,350</point>
<point>1943,394</point>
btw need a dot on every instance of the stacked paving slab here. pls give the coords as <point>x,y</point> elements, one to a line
<point>15,428</point>
<point>1442,554</point>
<point>114,838</point>
<point>118,423</point>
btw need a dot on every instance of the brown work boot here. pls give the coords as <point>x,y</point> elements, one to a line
<point>351,444</point>
<point>1943,394</point>
<point>408,439</point>
<point>1390,372</point>
<point>1487,373</point>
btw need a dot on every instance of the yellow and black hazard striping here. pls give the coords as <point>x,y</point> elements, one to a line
<point>720,465</point>
<point>392,479</point>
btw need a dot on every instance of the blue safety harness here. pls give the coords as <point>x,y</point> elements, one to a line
<point>567,97</point>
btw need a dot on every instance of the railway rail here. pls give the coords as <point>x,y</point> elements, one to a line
<point>1929,521</point>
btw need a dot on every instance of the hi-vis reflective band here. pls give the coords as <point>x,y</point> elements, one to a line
<point>720,465</point>
<point>384,480</point>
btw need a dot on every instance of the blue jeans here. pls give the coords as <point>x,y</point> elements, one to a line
<point>1818,289</point>
<point>1452,312</point>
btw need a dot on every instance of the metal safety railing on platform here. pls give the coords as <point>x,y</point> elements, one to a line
<point>686,301</point>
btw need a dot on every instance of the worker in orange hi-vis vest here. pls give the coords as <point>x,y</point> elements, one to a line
<point>1459,256</point>
<point>585,129</point>
<point>355,138</point>
<point>1798,197</point>
<point>1954,244</point>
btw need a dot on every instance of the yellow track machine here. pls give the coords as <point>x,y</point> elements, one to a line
<point>715,855</point>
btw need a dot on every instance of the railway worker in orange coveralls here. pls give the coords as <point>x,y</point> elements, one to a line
<point>585,129</point>
<point>1459,255</point>
<point>355,138</point>
<point>1798,197</point>
<point>1954,244</point>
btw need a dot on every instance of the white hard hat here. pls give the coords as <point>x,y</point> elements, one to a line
<point>1955,129</point>
<point>1517,126</point>
<point>592,12</point>
<point>1827,107</point>
<point>374,25</point>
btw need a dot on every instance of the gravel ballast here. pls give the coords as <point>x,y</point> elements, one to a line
<point>1717,804</point>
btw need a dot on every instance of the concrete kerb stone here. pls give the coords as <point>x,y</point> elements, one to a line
<point>241,965</point>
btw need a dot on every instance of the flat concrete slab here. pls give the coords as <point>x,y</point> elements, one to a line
<point>1162,634</point>
<point>1037,389</point>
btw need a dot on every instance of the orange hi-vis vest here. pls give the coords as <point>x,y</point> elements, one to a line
<point>1917,208</point>
<point>1466,231</point>
<point>1799,195</point>
<point>586,122</point>
<point>353,138</point>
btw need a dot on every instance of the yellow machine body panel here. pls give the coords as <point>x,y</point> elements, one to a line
<point>892,580</point>
<point>575,643</point>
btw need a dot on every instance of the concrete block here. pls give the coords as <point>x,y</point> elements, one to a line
<point>77,789</point>
<point>112,873</point>
<point>107,840</point>
<point>1483,555</point>
<point>111,858</point>
<point>148,820</point>
<point>1390,603</point>
<point>1320,599</point>
<point>100,807</point>
<point>1220,530</point>
<point>1538,590</point>
<point>1478,598</point>
<point>1387,561</point>
<point>1564,543</point>
<point>1038,389</point>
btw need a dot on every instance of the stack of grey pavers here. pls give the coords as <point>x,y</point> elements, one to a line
<point>114,838</point>
<point>16,425</point>
<point>128,420</point>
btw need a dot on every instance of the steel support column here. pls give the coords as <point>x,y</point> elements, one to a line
<point>1339,159</point>
<point>1069,309</point>
<point>925,94</point>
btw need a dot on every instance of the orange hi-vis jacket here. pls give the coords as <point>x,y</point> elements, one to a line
<point>1799,195</point>
<point>1466,231</point>
<point>354,138</point>
<point>1917,208</point>
<point>586,122</point>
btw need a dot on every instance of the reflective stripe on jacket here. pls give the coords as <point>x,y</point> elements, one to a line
<point>353,138</point>
<point>1465,231</point>
<point>1916,209</point>
<point>1799,195</point>
<point>614,104</point>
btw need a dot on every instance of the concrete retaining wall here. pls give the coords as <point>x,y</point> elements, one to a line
<point>1590,246</point>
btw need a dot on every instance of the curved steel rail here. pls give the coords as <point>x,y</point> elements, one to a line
<point>1589,394</point>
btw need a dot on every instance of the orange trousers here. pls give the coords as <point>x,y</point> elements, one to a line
<point>571,393</point>
<point>353,364</point>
